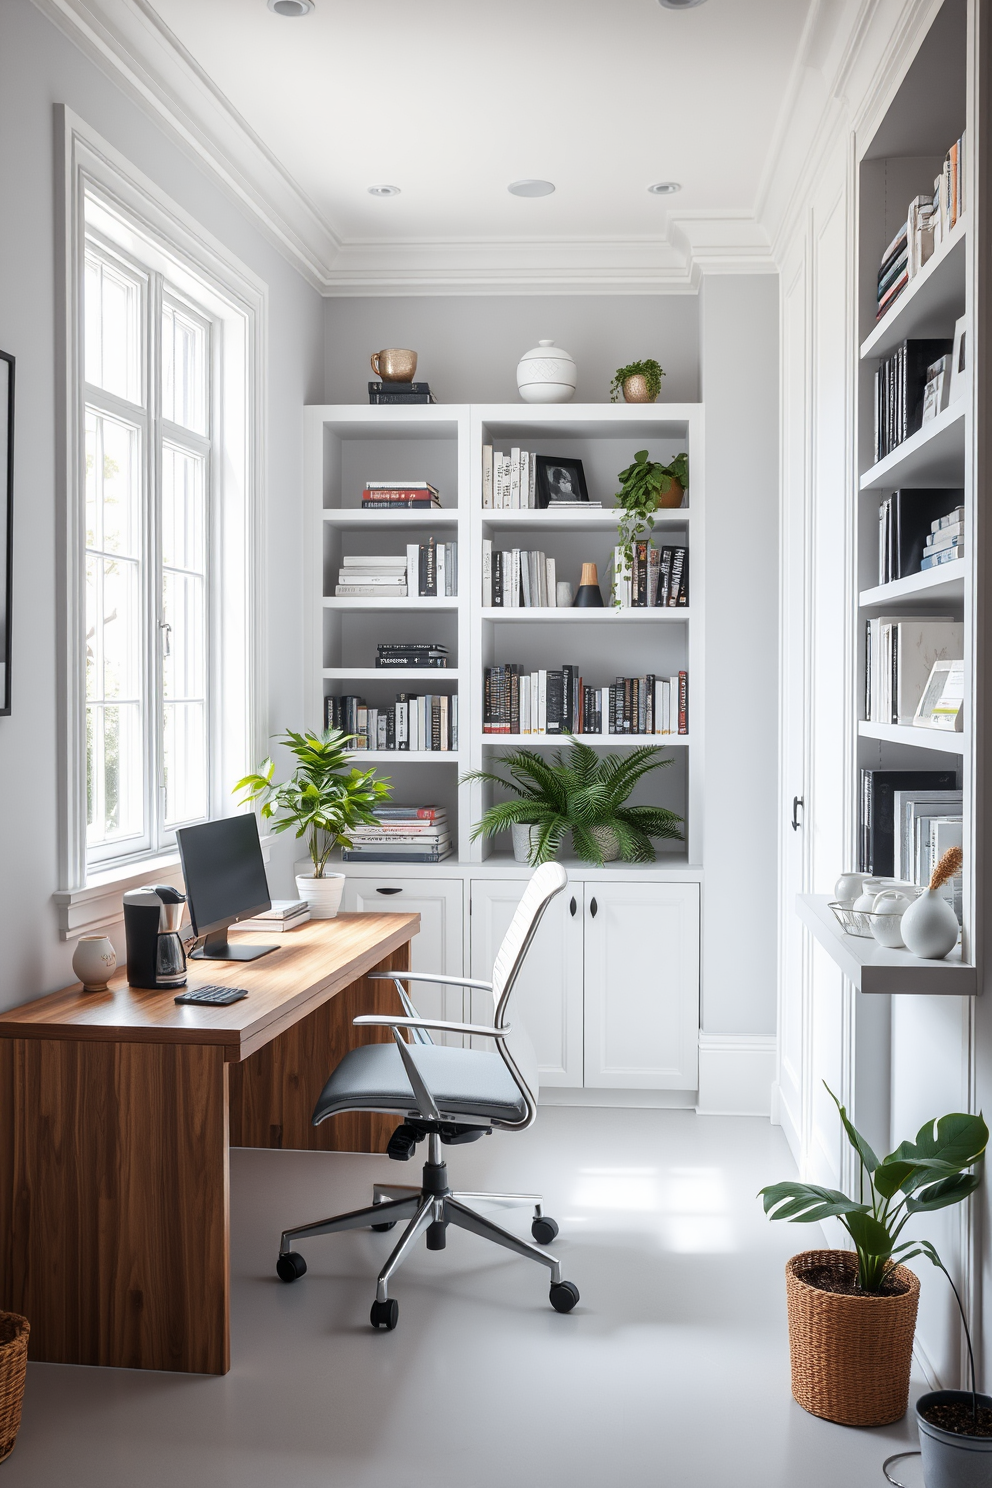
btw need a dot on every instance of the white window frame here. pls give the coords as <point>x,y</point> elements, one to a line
<point>144,223</point>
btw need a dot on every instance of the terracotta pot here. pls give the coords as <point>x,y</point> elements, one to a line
<point>850,1354</point>
<point>635,389</point>
<point>14,1332</point>
<point>670,499</point>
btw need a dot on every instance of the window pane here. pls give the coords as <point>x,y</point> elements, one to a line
<point>184,369</point>
<point>112,328</point>
<point>184,658</point>
<point>185,749</point>
<point>113,773</point>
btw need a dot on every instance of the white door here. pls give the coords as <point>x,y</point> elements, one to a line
<point>642,986</point>
<point>438,947</point>
<point>548,995</point>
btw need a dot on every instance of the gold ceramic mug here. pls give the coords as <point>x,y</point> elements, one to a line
<point>394,365</point>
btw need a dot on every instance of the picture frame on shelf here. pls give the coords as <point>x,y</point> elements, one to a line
<point>560,481</point>
<point>960,361</point>
<point>942,703</point>
<point>6,523</point>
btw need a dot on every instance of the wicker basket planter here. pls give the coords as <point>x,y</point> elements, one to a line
<point>14,1332</point>
<point>850,1354</point>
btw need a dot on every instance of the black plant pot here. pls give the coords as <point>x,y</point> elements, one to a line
<point>588,595</point>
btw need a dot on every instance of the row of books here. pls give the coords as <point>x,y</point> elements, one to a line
<point>518,578</point>
<point>918,529</point>
<point>414,723</point>
<point>401,834</point>
<point>402,393</point>
<point>900,652</point>
<point>926,823</point>
<point>929,220</point>
<point>878,813</point>
<point>900,389</point>
<point>658,577</point>
<point>422,655</point>
<point>559,702</point>
<point>425,571</point>
<point>410,495</point>
<point>509,481</point>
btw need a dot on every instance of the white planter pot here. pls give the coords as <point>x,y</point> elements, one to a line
<point>322,894</point>
<point>949,1460</point>
<point>546,374</point>
<point>94,961</point>
<point>521,832</point>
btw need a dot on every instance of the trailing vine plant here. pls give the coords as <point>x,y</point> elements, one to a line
<point>642,485</point>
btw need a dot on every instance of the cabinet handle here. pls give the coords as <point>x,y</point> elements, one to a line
<point>797,803</point>
<point>571,907</point>
<point>389,891</point>
<point>593,906</point>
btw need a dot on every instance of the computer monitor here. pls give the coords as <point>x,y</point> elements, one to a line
<point>225,882</point>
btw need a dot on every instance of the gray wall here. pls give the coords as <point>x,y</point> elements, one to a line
<point>468,346</point>
<point>39,67</point>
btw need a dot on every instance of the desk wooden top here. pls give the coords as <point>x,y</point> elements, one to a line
<point>311,964</point>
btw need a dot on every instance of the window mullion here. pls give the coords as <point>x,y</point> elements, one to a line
<point>153,608</point>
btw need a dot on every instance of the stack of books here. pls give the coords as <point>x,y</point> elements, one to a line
<point>285,914</point>
<point>909,523</point>
<point>517,578</point>
<point>402,834</point>
<point>509,480</point>
<point>402,393</point>
<point>411,495</point>
<point>432,569</point>
<point>929,220</point>
<point>659,577</point>
<point>893,273</point>
<point>878,815</point>
<point>422,655</point>
<point>899,654</point>
<point>900,386</point>
<point>945,540</point>
<point>559,702</point>
<point>414,723</point>
<point>372,577</point>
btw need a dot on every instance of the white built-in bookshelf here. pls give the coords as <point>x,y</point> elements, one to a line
<point>347,445</point>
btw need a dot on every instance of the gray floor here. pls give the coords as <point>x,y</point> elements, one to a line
<point>673,1370</point>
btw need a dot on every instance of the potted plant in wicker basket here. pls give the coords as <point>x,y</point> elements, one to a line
<point>852,1314</point>
<point>14,1332</point>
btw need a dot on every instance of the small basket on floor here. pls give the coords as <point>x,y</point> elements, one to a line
<point>14,1332</point>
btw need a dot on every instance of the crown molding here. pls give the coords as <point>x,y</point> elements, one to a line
<point>131,43</point>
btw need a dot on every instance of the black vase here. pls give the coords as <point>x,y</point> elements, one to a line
<point>588,595</point>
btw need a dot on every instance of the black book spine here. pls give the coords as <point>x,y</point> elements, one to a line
<point>640,586</point>
<point>498,580</point>
<point>435,723</point>
<point>514,699</point>
<point>683,598</point>
<point>431,588</point>
<point>649,712</point>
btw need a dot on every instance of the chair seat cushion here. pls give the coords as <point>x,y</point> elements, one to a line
<point>463,1082</point>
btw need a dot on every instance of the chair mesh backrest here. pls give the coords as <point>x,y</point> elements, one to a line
<point>546,882</point>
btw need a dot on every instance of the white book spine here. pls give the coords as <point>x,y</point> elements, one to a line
<point>487,476</point>
<point>552,584</point>
<point>487,572</point>
<point>441,569</point>
<point>445,746</point>
<point>515,479</point>
<point>413,569</point>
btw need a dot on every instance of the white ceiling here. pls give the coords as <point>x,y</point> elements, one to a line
<point>453,99</point>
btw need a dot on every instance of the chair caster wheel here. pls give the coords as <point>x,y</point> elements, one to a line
<point>381,1229</point>
<point>291,1266</point>
<point>564,1296</point>
<point>544,1230</point>
<point>386,1314</point>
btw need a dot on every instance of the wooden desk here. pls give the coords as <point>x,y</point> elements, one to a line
<point>116,1114</point>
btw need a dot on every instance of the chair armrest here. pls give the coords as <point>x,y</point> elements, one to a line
<point>428,976</point>
<point>441,1025</point>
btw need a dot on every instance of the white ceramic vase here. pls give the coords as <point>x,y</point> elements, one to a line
<point>930,927</point>
<point>94,961</point>
<point>848,887</point>
<point>546,374</point>
<point>322,894</point>
<point>521,833</point>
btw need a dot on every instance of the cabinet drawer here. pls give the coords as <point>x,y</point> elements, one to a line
<point>438,947</point>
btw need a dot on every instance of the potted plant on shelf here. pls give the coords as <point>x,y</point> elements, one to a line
<point>14,1331</point>
<point>852,1315</point>
<point>646,486</point>
<point>323,799</point>
<point>640,382</point>
<point>582,795</point>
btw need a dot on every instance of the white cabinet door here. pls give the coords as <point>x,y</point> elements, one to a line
<point>547,999</point>
<point>641,986</point>
<point>438,947</point>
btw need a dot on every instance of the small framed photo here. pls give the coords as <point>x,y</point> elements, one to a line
<point>960,361</point>
<point>560,481</point>
<point>942,702</point>
<point>6,520</point>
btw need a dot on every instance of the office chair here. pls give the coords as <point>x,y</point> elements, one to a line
<point>448,1096</point>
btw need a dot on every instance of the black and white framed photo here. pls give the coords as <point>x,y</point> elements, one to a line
<point>6,519</point>
<point>559,481</point>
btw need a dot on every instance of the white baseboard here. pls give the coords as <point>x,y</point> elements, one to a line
<point>736,1074</point>
<point>659,1100</point>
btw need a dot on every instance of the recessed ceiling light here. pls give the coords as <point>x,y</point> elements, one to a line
<point>384,191</point>
<point>291,7</point>
<point>680,4</point>
<point>531,188</point>
<point>665,188</point>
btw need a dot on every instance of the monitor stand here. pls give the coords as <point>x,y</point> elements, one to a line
<point>217,947</point>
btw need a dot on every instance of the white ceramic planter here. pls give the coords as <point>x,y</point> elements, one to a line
<point>949,1460</point>
<point>930,927</point>
<point>94,961</point>
<point>322,894</point>
<point>546,374</point>
<point>521,833</point>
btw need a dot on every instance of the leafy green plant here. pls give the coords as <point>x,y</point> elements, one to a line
<point>642,485</point>
<point>577,794</point>
<point>323,798</point>
<point>917,1178</point>
<point>649,370</point>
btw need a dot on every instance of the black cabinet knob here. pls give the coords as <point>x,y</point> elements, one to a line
<point>593,907</point>
<point>389,891</point>
<point>572,907</point>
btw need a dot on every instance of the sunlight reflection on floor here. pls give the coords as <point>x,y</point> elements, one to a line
<point>686,1209</point>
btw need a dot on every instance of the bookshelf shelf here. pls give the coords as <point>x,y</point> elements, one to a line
<point>933,456</point>
<point>607,615</point>
<point>391,606</point>
<point>409,756</point>
<point>873,968</point>
<point>597,741</point>
<point>396,674</point>
<point>931,300</point>
<point>355,519</point>
<point>944,585</point>
<point>549,520</point>
<point>917,738</point>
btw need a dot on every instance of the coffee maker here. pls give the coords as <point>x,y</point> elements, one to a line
<point>155,955</point>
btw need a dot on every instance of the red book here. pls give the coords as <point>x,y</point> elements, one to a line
<point>683,702</point>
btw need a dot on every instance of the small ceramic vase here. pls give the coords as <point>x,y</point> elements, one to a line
<point>563,594</point>
<point>94,961</point>
<point>869,888</point>
<point>635,389</point>
<point>589,595</point>
<point>847,888</point>
<point>930,927</point>
<point>891,901</point>
<point>395,364</point>
<point>323,895</point>
<point>546,374</point>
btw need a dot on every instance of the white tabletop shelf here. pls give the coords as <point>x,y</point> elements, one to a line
<point>874,968</point>
<point>917,738</point>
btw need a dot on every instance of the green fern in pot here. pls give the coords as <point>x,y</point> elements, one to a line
<point>581,794</point>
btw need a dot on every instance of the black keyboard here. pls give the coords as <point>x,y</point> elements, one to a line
<point>213,996</point>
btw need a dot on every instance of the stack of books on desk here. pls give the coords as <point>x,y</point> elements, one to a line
<point>402,834</point>
<point>411,495</point>
<point>285,914</point>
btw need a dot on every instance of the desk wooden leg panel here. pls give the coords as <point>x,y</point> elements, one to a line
<point>114,1202</point>
<point>274,1091</point>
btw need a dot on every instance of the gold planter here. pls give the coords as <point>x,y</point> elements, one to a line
<point>635,389</point>
<point>850,1354</point>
